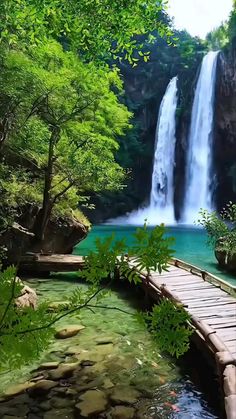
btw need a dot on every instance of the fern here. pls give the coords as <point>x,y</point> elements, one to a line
<point>169,325</point>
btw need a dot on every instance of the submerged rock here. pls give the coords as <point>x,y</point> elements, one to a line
<point>124,394</point>
<point>42,387</point>
<point>63,371</point>
<point>122,412</point>
<point>18,389</point>
<point>58,306</point>
<point>68,332</point>
<point>61,403</point>
<point>59,414</point>
<point>93,402</point>
<point>49,366</point>
<point>104,341</point>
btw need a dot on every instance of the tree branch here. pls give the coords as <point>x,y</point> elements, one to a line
<point>58,196</point>
<point>61,316</point>
<point>85,305</point>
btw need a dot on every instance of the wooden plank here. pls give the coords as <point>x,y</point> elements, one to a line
<point>222,322</point>
<point>201,294</point>
<point>213,304</point>
<point>180,281</point>
<point>211,312</point>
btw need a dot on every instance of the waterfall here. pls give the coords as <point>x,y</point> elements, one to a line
<point>161,207</point>
<point>162,192</point>
<point>199,158</point>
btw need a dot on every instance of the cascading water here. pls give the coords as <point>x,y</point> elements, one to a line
<point>162,192</point>
<point>161,207</point>
<point>199,159</point>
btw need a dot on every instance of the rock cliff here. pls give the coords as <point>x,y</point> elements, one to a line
<point>61,236</point>
<point>225,128</point>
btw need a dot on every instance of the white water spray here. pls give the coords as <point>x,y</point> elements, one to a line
<point>199,159</point>
<point>161,208</point>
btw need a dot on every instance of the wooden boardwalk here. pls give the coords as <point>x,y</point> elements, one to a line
<point>209,303</point>
<point>213,315</point>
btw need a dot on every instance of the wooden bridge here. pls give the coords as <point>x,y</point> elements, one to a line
<point>210,302</point>
<point>213,316</point>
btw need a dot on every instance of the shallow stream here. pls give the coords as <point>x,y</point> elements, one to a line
<point>118,354</point>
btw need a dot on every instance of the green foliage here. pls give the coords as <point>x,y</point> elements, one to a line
<point>232,23</point>
<point>150,251</point>
<point>213,224</point>
<point>49,98</point>
<point>19,342</point>
<point>221,230</point>
<point>169,326</point>
<point>97,29</point>
<point>218,38</point>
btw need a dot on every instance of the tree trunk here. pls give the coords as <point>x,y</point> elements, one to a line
<point>45,212</point>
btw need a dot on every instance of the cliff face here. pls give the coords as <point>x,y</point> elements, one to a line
<point>61,235</point>
<point>225,128</point>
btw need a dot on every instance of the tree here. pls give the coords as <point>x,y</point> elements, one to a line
<point>219,37</point>
<point>65,125</point>
<point>97,29</point>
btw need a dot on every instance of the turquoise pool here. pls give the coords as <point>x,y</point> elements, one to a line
<point>190,245</point>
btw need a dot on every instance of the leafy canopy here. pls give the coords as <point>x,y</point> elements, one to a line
<point>97,28</point>
<point>47,89</point>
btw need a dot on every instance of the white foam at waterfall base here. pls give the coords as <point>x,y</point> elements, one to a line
<point>152,215</point>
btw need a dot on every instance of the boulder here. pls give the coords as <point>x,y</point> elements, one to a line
<point>93,402</point>
<point>61,235</point>
<point>16,240</point>
<point>68,332</point>
<point>28,298</point>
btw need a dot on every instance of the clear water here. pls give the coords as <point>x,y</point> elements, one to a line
<point>190,245</point>
<point>168,390</point>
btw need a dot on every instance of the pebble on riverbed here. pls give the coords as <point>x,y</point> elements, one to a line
<point>69,331</point>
